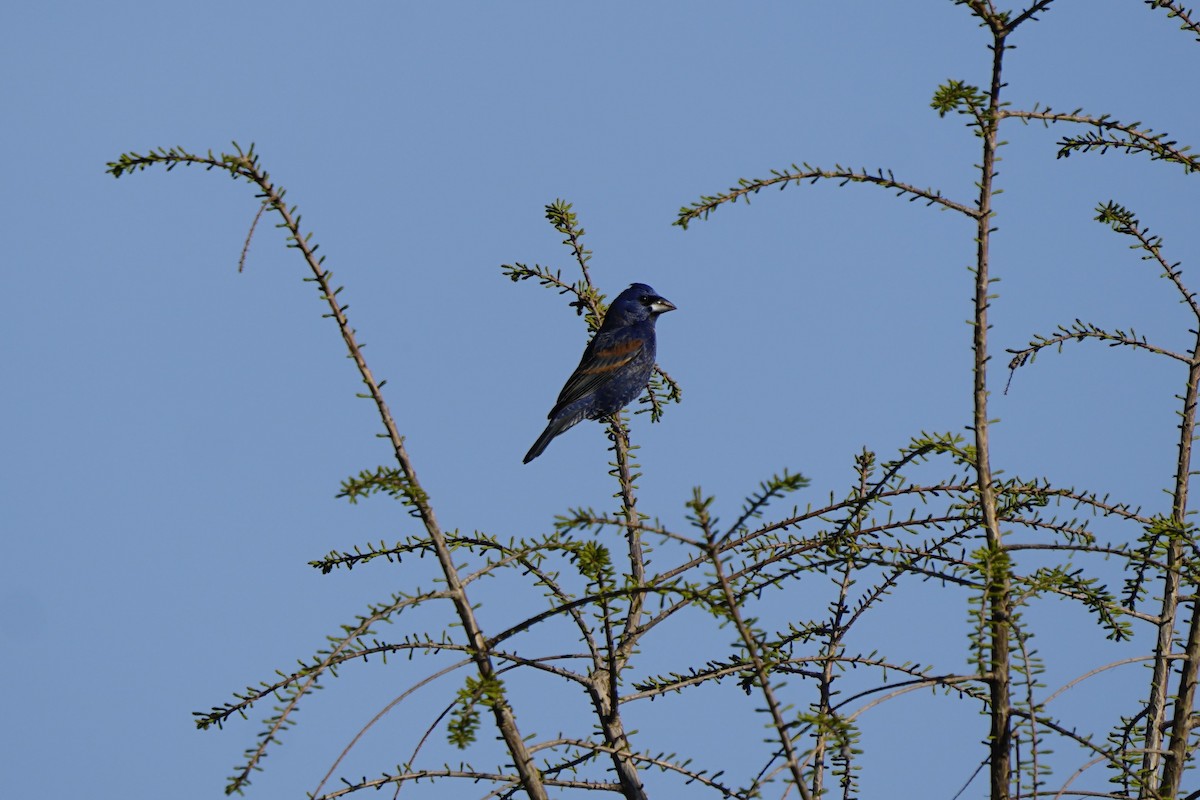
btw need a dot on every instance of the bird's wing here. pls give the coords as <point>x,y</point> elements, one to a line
<point>601,362</point>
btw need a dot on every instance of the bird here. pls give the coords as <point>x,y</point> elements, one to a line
<point>615,367</point>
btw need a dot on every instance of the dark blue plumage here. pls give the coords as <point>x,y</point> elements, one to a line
<point>615,367</point>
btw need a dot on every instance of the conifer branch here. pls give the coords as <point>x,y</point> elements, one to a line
<point>246,165</point>
<point>1186,16</point>
<point>1110,134</point>
<point>1078,331</point>
<point>801,173</point>
<point>1124,222</point>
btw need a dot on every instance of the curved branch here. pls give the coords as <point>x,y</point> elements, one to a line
<point>245,164</point>
<point>1083,330</point>
<point>1132,138</point>
<point>1176,10</point>
<point>806,172</point>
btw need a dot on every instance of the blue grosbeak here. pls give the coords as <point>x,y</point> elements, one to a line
<point>615,367</point>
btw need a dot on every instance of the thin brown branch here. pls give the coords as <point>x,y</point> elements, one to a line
<point>473,776</point>
<point>806,173</point>
<point>383,712</point>
<point>1177,10</point>
<point>1027,14</point>
<point>1090,673</point>
<point>761,673</point>
<point>1025,355</point>
<point>658,762</point>
<point>1124,222</point>
<point>530,779</point>
<point>250,235</point>
<point>1182,724</point>
<point>1136,139</point>
<point>310,674</point>
<point>246,165</point>
<point>1113,757</point>
<point>997,567</point>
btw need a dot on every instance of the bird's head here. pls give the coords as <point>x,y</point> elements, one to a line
<point>637,303</point>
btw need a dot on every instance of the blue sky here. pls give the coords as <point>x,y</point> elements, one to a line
<point>175,432</point>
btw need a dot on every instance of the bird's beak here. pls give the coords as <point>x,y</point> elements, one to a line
<point>661,305</point>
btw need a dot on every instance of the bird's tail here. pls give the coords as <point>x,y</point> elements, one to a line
<point>557,425</point>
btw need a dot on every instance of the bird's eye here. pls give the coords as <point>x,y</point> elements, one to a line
<point>647,299</point>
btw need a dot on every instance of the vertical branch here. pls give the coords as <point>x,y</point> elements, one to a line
<point>1183,722</point>
<point>834,646</point>
<point>614,729</point>
<point>999,572</point>
<point>762,670</point>
<point>1028,667</point>
<point>619,434</point>
<point>1162,772</point>
<point>605,677</point>
<point>604,690</point>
